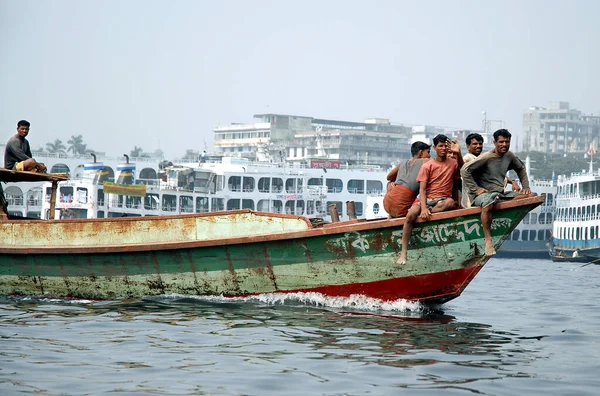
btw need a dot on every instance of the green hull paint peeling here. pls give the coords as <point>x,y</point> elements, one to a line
<point>300,257</point>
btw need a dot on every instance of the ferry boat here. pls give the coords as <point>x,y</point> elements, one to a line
<point>577,224</point>
<point>115,189</point>
<point>529,239</point>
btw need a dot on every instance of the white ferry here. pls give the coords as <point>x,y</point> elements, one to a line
<point>142,188</point>
<point>577,225</point>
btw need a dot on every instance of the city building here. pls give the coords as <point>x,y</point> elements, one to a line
<point>559,129</point>
<point>279,137</point>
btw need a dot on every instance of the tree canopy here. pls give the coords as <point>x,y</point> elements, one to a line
<point>56,147</point>
<point>76,145</point>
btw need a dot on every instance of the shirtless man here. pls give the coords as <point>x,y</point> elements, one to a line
<point>403,187</point>
<point>438,190</point>
<point>484,178</point>
<point>17,155</point>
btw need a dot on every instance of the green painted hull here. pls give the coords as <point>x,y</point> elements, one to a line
<point>339,259</point>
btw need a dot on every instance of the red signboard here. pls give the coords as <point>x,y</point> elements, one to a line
<point>325,164</point>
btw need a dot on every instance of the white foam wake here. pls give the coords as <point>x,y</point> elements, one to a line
<point>354,302</point>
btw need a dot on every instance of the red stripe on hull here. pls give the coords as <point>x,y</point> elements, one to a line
<point>433,288</point>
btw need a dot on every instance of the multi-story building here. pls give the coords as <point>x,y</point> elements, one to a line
<point>296,139</point>
<point>559,129</point>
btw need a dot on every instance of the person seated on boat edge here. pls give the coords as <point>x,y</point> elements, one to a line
<point>17,155</point>
<point>483,180</point>
<point>403,186</point>
<point>474,142</point>
<point>438,190</point>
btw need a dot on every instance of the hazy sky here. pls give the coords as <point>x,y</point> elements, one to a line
<point>164,73</point>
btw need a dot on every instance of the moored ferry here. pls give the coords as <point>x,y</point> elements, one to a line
<point>113,188</point>
<point>577,224</point>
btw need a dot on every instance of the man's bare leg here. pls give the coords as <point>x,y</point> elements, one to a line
<point>443,206</point>
<point>486,221</point>
<point>409,223</point>
<point>29,165</point>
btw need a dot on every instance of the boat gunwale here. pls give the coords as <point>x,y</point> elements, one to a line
<point>311,231</point>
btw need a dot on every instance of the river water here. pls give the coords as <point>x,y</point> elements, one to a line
<point>523,327</point>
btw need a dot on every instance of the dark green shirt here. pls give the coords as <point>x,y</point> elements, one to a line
<point>17,150</point>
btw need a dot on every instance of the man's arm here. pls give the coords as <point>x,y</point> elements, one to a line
<point>468,181</point>
<point>522,173</point>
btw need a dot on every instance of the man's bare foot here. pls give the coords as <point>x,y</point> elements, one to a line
<point>489,250</point>
<point>401,260</point>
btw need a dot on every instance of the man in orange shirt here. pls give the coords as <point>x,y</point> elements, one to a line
<point>438,190</point>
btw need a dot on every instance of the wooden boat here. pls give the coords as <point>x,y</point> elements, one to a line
<point>243,252</point>
<point>582,258</point>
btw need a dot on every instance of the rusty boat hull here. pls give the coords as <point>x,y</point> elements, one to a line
<point>241,253</point>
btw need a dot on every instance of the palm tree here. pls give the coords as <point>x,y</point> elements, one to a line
<point>136,152</point>
<point>56,148</point>
<point>76,145</point>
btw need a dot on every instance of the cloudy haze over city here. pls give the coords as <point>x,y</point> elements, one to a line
<point>160,74</point>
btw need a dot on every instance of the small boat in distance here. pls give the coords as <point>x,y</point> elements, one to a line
<point>244,252</point>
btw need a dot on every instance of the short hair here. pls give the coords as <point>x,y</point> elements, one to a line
<point>440,139</point>
<point>418,146</point>
<point>472,136</point>
<point>23,123</point>
<point>502,132</point>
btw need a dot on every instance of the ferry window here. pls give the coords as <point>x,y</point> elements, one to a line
<point>289,207</point>
<point>247,204</point>
<point>14,195</point>
<point>233,204</point>
<point>235,183</point>
<point>66,194</point>
<point>264,205</point>
<point>201,205</point>
<point>541,234</point>
<point>358,208</point>
<point>525,235</point>
<point>545,199</point>
<point>356,186</point>
<point>533,218</point>
<point>334,185</point>
<point>315,181</point>
<point>82,195</point>
<point>515,235</point>
<point>549,199</point>
<point>100,214</point>
<point>548,218</point>
<point>150,200</point>
<point>169,202</point>
<point>592,235</point>
<point>135,202</point>
<point>248,184</point>
<point>577,233</point>
<point>264,184</point>
<point>375,208</point>
<point>542,218</point>
<point>300,207</point>
<point>277,206</point>
<point>310,207</point>
<point>578,213</point>
<point>319,208</point>
<point>338,205</point>
<point>217,204</point>
<point>374,186</point>
<point>547,235</point>
<point>585,233</point>
<point>526,219</point>
<point>277,185</point>
<point>293,185</point>
<point>186,204</point>
<point>60,168</point>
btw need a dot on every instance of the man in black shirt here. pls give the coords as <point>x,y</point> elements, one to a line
<point>17,155</point>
